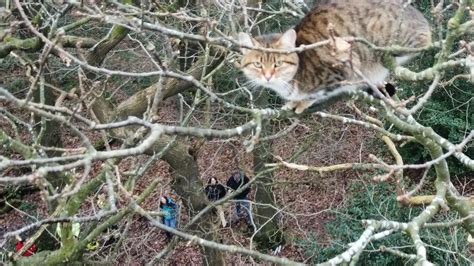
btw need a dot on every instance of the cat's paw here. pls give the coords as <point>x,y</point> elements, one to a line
<point>302,105</point>
<point>299,110</point>
<point>289,105</point>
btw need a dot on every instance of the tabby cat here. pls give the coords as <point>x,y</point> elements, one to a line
<point>304,77</point>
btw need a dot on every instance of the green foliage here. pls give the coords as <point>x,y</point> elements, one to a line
<point>446,246</point>
<point>8,77</point>
<point>278,23</point>
<point>424,6</point>
<point>28,207</point>
<point>18,85</point>
<point>224,81</point>
<point>448,112</point>
<point>9,191</point>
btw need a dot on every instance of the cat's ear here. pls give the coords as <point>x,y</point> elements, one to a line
<point>245,39</point>
<point>288,39</point>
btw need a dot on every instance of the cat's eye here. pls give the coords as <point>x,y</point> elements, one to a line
<point>257,64</point>
<point>278,63</point>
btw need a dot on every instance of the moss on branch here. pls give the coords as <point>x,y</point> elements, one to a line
<point>10,43</point>
<point>35,44</point>
<point>8,143</point>
<point>101,49</point>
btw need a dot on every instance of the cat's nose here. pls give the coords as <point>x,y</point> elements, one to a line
<point>268,76</point>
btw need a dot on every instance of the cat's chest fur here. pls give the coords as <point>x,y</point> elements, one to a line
<point>287,91</point>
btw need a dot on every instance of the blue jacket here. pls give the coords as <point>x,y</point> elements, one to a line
<point>169,209</point>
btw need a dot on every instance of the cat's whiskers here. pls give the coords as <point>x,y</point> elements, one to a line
<point>251,84</point>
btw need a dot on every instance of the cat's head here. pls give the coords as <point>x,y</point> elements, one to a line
<point>272,70</point>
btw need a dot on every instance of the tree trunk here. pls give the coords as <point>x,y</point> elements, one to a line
<point>270,235</point>
<point>188,186</point>
<point>50,136</point>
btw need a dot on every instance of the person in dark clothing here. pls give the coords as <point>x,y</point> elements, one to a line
<point>237,180</point>
<point>216,191</point>
<point>170,213</point>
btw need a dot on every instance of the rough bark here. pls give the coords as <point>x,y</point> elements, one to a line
<point>100,51</point>
<point>269,234</point>
<point>51,136</point>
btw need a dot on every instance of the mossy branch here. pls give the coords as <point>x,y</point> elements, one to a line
<point>98,53</point>
<point>8,143</point>
<point>10,43</point>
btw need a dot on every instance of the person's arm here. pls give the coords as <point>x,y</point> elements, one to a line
<point>222,191</point>
<point>247,190</point>
<point>173,204</point>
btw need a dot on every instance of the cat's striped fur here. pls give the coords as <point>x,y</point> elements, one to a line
<point>302,78</point>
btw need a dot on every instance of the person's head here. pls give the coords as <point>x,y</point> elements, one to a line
<point>163,200</point>
<point>212,181</point>
<point>23,236</point>
<point>237,175</point>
